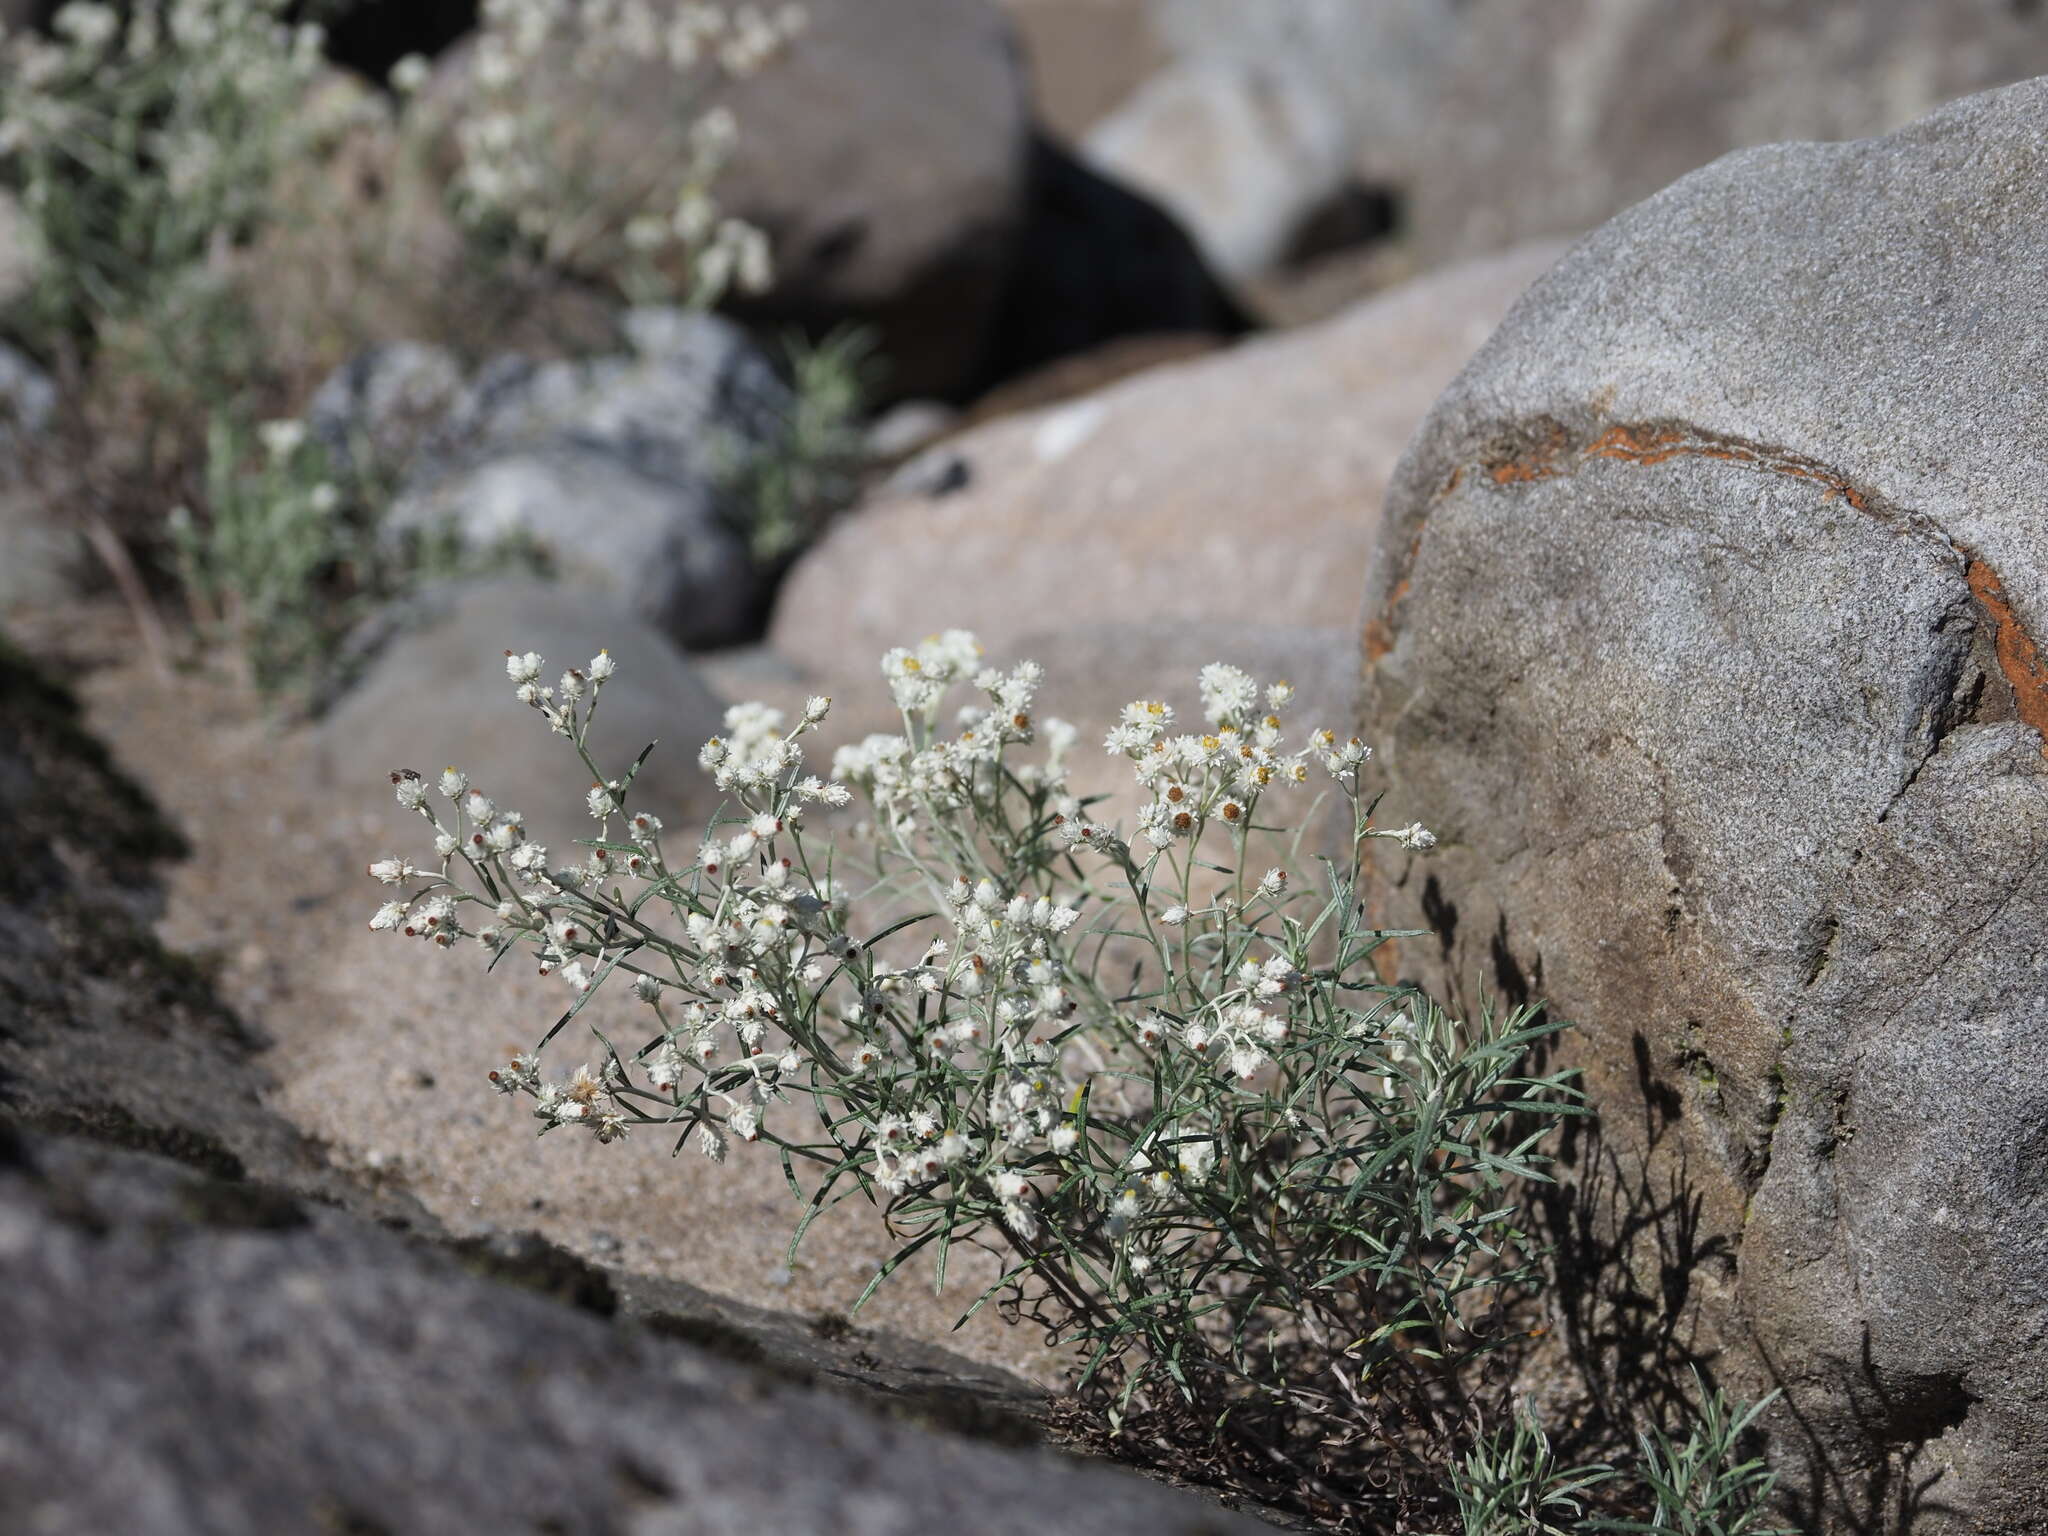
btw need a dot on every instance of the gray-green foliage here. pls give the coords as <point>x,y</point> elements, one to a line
<point>1273,1200</point>
<point>146,147</point>
<point>276,563</point>
<point>1700,1484</point>
<point>1696,1483</point>
<point>283,555</point>
<point>784,490</point>
<point>1510,1484</point>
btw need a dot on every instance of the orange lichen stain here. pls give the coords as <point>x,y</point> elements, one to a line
<point>1521,461</point>
<point>1653,445</point>
<point>1379,629</point>
<point>2018,657</point>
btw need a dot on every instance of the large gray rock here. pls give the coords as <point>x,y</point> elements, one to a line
<point>1546,119</point>
<point>1086,56</point>
<point>1241,153</point>
<point>1236,492</point>
<point>1495,122</point>
<point>608,468</point>
<point>883,152</point>
<point>387,406</point>
<point>886,155</point>
<point>1267,113</point>
<point>218,1358</point>
<point>1703,630</point>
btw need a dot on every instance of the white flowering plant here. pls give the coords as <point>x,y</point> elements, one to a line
<point>146,143</point>
<point>283,557</point>
<point>167,154</point>
<point>1260,1189</point>
<point>537,174</point>
<point>785,489</point>
<point>273,532</point>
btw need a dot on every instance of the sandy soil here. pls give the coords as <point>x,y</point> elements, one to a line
<point>381,1046</point>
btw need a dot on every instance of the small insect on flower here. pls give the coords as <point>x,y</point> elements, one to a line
<point>1417,838</point>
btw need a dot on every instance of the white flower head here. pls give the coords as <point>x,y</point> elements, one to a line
<point>394,872</point>
<point>282,439</point>
<point>409,74</point>
<point>1228,694</point>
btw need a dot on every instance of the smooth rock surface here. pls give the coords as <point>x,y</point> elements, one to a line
<point>1381,60</point>
<point>1240,153</point>
<point>886,155</point>
<point>608,468</point>
<point>1704,630</point>
<point>1494,123</point>
<point>883,153</point>
<point>439,686</point>
<point>1239,490</point>
<point>1086,57</point>
<point>1546,119</point>
<point>218,1357</point>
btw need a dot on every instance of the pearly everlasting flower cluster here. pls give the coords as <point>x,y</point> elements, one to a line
<point>1109,1045</point>
<point>146,141</point>
<point>521,170</point>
